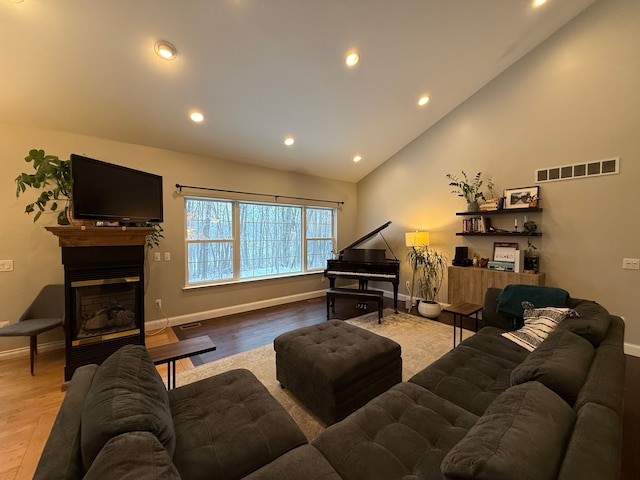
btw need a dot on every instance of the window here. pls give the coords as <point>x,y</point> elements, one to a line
<point>230,240</point>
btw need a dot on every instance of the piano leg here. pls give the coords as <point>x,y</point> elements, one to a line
<point>395,297</point>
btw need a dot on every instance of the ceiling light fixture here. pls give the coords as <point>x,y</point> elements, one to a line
<point>165,50</point>
<point>288,141</point>
<point>357,158</point>
<point>539,3</point>
<point>423,100</point>
<point>196,116</point>
<point>352,58</point>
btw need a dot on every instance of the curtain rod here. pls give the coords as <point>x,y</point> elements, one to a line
<point>276,197</point>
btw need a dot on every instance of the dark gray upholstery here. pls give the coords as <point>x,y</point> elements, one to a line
<point>126,395</point>
<point>46,312</point>
<point>402,434</point>
<point>334,367</point>
<point>459,417</point>
<point>61,458</point>
<point>522,435</point>
<point>468,377</point>
<point>140,457</point>
<point>561,363</point>
<point>302,463</point>
<point>229,425</point>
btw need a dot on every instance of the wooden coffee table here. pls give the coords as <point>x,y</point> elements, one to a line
<point>462,309</point>
<point>171,352</point>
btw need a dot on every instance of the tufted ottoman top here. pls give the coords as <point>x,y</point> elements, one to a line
<point>336,353</point>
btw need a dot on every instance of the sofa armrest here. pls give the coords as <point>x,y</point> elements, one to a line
<point>491,316</point>
<point>61,457</point>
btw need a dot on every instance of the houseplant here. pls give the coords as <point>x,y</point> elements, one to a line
<point>429,266</point>
<point>53,177</point>
<point>467,188</point>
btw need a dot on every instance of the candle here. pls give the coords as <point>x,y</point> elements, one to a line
<point>516,223</point>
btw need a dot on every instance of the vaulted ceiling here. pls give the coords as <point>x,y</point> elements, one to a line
<point>261,70</point>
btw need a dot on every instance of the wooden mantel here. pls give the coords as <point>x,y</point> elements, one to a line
<point>91,236</point>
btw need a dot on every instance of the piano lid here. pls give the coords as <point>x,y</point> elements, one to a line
<point>367,237</point>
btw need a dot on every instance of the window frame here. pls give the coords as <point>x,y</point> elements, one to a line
<point>235,241</point>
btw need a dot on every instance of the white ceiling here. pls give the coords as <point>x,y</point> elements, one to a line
<point>260,70</point>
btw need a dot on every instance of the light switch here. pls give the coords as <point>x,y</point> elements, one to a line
<point>167,256</point>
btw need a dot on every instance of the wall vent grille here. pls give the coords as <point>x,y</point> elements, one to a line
<point>609,166</point>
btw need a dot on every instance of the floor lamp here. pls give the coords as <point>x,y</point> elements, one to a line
<point>414,240</point>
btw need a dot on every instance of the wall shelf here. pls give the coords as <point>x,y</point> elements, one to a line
<point>498,234</point>
<point>501,212</point>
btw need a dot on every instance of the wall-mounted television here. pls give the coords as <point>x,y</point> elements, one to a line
<point>108,192</point>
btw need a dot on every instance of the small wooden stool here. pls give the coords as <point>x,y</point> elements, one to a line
<point>462,309</point>
<point>364,295</point>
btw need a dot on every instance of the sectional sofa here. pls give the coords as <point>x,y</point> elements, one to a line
<point>488,409</point>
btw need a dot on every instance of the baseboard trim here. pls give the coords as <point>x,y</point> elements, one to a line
<point>632,349</point>
<point>221,312</point>
<point>24,351</point>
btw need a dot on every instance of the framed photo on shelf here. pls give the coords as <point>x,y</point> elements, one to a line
<point>522,197</point>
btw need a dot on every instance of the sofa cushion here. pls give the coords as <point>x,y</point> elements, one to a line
<point>538,324</point>
<point>304,462</point>
<point>561,363</point>
<point>133,456</point>
<point>228,426</point>
<point>510,299</point>
<point>467,377</point>
<point>592,323</point>
<point>522,435</point>
<point>127,395</point>
<point>402,434</point>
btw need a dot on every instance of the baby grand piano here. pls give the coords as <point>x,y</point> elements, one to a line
<point>364,264</point>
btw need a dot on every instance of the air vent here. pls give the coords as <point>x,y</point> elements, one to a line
<point>189,326</point>
<point>609,166</point>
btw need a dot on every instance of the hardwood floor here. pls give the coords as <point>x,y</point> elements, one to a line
<point>28,405</point>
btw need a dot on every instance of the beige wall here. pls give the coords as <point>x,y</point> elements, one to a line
<point>37,256</point>
<point>573,99</point>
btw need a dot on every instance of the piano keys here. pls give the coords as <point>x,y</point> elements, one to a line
<point>365,264</point>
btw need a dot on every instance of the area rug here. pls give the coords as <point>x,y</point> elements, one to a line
<point>422,342</point>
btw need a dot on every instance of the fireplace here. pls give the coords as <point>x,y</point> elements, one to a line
<point>104,291</point>
<point>105,309</point>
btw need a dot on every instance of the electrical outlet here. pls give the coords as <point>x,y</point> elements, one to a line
<point>631,263</point>
<point>158,303</point>
<point>6,265</point>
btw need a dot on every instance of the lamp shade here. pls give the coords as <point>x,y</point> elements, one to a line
<point>416,239</point>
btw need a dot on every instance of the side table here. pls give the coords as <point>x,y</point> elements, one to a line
<point>171,352</point>
<point>462,309</point>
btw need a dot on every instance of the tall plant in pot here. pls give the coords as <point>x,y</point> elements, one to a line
<point>429,266</point>
<point>53,177</point>
<point>467,188</point>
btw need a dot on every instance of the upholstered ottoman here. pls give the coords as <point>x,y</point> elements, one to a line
<point>334,368</point>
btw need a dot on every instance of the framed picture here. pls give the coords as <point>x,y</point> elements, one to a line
<point>504,252</point>
<point>523,197</point>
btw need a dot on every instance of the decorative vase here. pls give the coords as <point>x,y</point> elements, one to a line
<point>472,207</point>
<point>429,309</point>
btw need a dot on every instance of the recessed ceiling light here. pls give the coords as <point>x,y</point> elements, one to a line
<point>539,3</point>
<point>352,58</point>
<point>165,50</point>
<point>288,141</point>
<point>357,158</point>
<point>196,116</point>
<point>423,100</point>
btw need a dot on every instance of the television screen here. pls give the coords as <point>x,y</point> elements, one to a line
<point>104,191</point>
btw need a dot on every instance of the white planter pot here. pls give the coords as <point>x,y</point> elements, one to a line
<point>429,309</point>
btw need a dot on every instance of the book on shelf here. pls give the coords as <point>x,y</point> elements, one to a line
<point>490,204</point>
<point>479,224</point>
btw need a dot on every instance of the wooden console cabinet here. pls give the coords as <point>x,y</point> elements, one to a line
<point>468,284</point>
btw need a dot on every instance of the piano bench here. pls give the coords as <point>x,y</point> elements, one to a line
<point>364,295</point>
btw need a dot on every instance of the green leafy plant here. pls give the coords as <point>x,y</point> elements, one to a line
<point>153,239</point>
<point>53,177</point>
<point>468,189</point>
<point>429,266</point>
